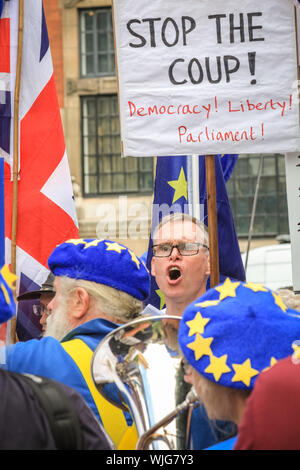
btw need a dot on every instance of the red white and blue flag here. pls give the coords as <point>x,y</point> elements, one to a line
<point>46,211</point>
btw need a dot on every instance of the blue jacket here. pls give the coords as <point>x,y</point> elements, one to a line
<point>47,357</point>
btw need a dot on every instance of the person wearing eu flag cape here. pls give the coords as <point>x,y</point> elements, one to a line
<point>180,268</point>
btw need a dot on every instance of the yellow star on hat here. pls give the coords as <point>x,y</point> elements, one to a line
<point>201,346</point>
<point>207,303</point>
<point>272,362</point>
<point>114,246</point>
<point>244,372</point>
<point>76,241</point>
<point>197,325</point>
<point>180,186</point>
<point>227,289</point>
<point>255,287</point>
<point>279,302</point>
<point>92,243</point>
<point>134,259</point>
<point>217,366</point>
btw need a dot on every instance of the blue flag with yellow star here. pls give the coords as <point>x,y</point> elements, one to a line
<point>171,195</point>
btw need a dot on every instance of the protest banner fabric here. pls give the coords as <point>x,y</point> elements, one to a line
<point>46,211</point>
<point>207,77</point>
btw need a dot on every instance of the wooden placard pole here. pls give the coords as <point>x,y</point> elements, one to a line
<point>212,219</point>
<point>16,156</point>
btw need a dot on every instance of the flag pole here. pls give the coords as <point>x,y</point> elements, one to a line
<point>16,154</point>
<point>254,209</point>
<point>212,219</point>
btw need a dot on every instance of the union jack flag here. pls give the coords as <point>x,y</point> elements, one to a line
<point>46,209</point>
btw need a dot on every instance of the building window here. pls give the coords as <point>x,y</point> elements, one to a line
<point>271,216</point>
<point>104,171</point>
<point>96,42</point>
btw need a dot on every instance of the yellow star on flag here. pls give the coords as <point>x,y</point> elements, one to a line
<point>208,303</point>
<point>161,297</point>
<point>180,186</point>
<point>201,346</point>
<point>279,302</point>
<point>255,287</point>
<point>227,289</point>
<point>135,259</point>
<point>197,325</point>
<point>218,366</point>
<point>113,246</point>
<point>244,372</point>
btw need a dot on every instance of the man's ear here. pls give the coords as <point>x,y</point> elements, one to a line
<point>80,302</point>
<point>153,267</point>
<point>208,266</point>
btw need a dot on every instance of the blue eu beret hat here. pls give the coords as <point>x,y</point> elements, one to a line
<point>102,261</point>
<point>237,330</point>
<point>7,302</point>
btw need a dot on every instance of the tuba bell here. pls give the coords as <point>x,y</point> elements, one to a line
<point>136,367</point>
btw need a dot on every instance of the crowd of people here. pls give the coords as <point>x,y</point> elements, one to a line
<point>239,344</point>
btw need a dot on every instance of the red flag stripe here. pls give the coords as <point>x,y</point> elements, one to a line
<point>5,45</point>
<point>42,148</point>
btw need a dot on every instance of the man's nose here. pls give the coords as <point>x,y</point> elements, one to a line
<point>175,253</point>
<point>50,305</point>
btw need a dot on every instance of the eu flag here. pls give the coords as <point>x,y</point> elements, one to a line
<point>171,194</point>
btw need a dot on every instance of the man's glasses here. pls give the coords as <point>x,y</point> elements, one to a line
<point>39,310</point>
<point>185,249</point>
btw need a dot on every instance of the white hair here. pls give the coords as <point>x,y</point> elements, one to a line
<point>290,299</point>
<point>182,217</point>
<point>105,299</point>
<point>218,400</point>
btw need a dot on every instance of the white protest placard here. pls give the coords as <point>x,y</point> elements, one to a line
<point>207,77</point>
<point>292,168</point>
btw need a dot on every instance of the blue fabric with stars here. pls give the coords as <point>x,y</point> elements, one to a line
<point>103,262</point>
<point>235,331</point>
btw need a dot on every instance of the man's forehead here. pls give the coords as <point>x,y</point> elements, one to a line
<point>178,230</point>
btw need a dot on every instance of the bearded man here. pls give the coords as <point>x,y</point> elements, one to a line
<point>98,285</point>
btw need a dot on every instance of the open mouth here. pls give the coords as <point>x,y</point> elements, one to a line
<point>174,273</point>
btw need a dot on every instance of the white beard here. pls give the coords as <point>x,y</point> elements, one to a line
<point>57,325</point>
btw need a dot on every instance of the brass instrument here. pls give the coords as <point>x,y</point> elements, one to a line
<point>135,367</point>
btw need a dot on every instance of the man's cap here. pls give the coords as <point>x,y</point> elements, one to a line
<point>47,288</point>
<point>7,302</point>
<point>102,261</point>
<point>237,330</point>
